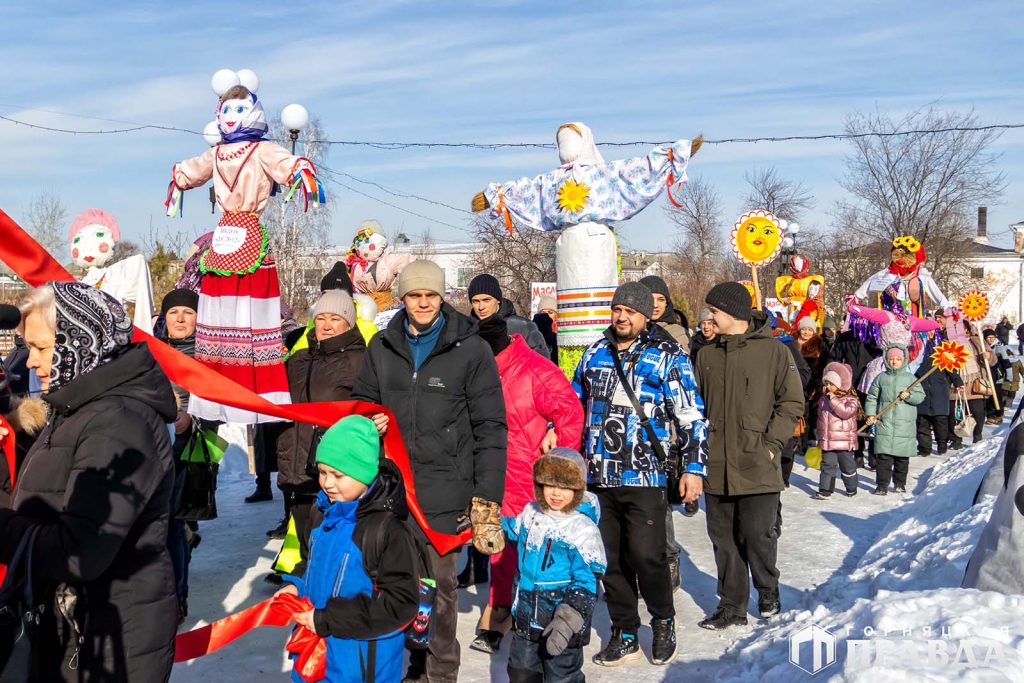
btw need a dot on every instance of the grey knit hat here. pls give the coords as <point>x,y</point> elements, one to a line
<point>634,295</point>
<point>421,274</point>
<point>657,286</point>
<point>339,302</point>
<point>732,298</point>
<point>705,314</point>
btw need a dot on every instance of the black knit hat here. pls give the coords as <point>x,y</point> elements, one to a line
<point>656,285</point>
<point>634,295</point>
<point>179,297</point>
<point>484,284</point>
<point>337,278</point>
<point>732,298</point>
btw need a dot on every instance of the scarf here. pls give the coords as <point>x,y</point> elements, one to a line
<point>587,154</point>
<point>494,331</point>
<point>252,127</point>
<point>92,329</point>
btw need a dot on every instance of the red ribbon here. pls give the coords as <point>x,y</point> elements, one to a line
<point>671,180</point>
<point>275,611</point>
<point>35,266</point>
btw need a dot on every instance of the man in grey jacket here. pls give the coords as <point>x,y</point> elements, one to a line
<point>486,299</point>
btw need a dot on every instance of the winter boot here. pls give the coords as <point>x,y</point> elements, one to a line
<point>487,641</point>
<point>280,531</point>
<point>723,619</point>
<point>623,647</point>
<point>663,646</point>
<point>768,603</point>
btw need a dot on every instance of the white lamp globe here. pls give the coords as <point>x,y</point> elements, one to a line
<point>794,229</point>
<point>249,79</point>
<point>224,80</point>
<point>787,243</point>
<point>211,133</point>
<point>783,224</point>
<point>294,117</point>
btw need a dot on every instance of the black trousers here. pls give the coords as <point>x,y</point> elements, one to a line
<point>891,468</point>
<point>300,507</point>
<point>742,531</point>
<point>787,456</point>
<point>976,407</point>
<point>529,662</point>
<point>926,424</point>
<point>633,530</point>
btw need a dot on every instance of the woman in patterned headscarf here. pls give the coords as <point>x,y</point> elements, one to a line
<point>95,493</point>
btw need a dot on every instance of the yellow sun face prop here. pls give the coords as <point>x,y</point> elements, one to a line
<point>974,305</point>
<point>749,287</point>
<point>572,196</point>
<point>757,238</point>
<point>950,356</point>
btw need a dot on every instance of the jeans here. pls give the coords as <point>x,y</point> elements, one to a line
<point>181,555</point>
<point>832,462</point>
<point>529,662</point>
<point>891,468</point>
<point>743,535</point>
<point>633,530</point>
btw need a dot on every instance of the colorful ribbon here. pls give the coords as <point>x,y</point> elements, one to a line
<point>35,266</point>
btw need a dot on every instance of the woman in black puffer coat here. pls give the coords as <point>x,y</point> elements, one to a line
<point>97,485</point>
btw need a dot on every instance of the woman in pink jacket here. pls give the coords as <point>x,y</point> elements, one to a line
<point>537,396</point>
<point>838,409</point>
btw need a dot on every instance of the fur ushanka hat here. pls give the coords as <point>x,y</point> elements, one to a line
<point>561,467</point>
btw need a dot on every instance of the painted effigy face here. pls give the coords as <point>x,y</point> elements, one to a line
<point>233,114</point>
<point>757,240</point>
<point>371,247</point>
<point>92,245</point>
<point>903,258</point>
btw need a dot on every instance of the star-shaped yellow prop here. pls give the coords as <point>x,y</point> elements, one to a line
<point>572,196</point>
<point>950,356</point>
<point>974,305</point>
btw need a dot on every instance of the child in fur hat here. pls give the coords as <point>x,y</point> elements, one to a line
<point>561,556</point>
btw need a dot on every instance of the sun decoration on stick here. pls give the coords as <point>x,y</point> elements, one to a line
<point>950,356</point>
<point>572,196</point>
<point>757,238</point>
<point>974,305</point>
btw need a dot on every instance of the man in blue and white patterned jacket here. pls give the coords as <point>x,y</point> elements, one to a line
<point>626,472</point>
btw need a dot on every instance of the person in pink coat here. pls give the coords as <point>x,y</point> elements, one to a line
<point>543,412</point>
<point>838,410</point>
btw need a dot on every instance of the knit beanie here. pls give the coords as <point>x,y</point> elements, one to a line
<point>656,285</point>
<point>806,322</point>
<point>732,298</point>
<point>548,302</point>
<point>832,377</point>
<point>421,274</point>
<point>705,314</point>
<point>339,302</point>
<point>179,297</point>
<point>351,446</point>
<point>337,278</point>
<point>494,331</point>
<point>634,295</point>
<point>484,284</point>
<point>561,467</point>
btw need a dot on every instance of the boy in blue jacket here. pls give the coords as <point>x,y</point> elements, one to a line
<point>359,532</point>
<point>561,556</point>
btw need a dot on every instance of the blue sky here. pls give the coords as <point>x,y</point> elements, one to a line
<point>490,72</point>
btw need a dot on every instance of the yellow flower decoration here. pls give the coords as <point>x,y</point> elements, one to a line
<point>974,305</point>
<point>907,242</point>
<point>572,196</point>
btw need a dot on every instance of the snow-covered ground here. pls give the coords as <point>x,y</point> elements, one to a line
<point>880,575</point>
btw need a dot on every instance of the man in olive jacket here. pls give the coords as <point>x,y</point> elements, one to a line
<point>752,400</point>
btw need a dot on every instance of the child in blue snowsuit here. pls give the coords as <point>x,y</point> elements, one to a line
<point>362,534</point>
<point>561,556</point>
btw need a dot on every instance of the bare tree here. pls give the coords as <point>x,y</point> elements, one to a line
<point>517,260</point>
<point>700,244</point>
<point>47,222</point>
<point>925,184</point>
<point>298,239</point>
<point>787,199</point>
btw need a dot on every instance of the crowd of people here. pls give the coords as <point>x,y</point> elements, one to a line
<point>568,485</point>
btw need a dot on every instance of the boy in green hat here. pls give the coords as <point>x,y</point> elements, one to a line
<point>362,573</point>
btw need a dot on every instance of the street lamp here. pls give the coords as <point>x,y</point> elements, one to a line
<point>294,117</point>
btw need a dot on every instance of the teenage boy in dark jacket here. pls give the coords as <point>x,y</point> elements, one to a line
<point>439,378</point>
<point>752,399</point>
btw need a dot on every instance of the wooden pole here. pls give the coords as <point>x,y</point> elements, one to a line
<point>984,364</point>
<point>757,287</point>
<point>250,433</point>
<point>893,402</point>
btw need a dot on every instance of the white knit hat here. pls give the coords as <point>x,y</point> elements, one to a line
<point>832,377</point>
<point>806,322</point>
<point>339,302</point>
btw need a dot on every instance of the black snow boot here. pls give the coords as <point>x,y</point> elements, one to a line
<point>663,646</point>
<point>623,647</point>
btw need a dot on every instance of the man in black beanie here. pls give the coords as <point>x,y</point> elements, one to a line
<point>752,399</point>
<point>642,423</point>
<point>486,299</point>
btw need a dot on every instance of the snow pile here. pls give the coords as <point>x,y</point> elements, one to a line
<point>900,613</point>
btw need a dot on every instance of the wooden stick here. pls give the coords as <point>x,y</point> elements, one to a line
<point>896,400</point>
<point>250,433</point>
<point>757,287</point>
<point>984,363</point>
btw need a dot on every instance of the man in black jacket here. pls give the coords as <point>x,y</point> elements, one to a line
<point>439,378</point>
<point>486,299</point>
